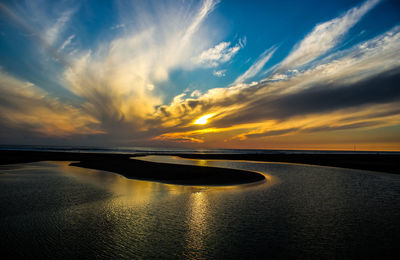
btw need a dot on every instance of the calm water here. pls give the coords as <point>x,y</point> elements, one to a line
<point>160,150</point>
<point>50,209</point>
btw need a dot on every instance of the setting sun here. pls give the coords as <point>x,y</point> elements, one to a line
<point>203,119</point>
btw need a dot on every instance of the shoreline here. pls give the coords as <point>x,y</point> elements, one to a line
<point>202,176</point>
<point>140,170</point>
<point>387,163</point>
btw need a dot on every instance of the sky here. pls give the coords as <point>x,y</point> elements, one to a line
<point>201,74</point>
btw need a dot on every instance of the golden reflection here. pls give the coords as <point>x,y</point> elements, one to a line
<point>202,162</point>
<point>270,180</point>
<point>128,191</point>
<point>197,221</point>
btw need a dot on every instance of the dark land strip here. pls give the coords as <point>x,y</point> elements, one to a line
<point>380,162</point>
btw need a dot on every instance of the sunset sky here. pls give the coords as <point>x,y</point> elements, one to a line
<point>201,74</point>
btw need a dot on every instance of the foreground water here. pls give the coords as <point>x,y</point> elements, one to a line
<point>50,209</point>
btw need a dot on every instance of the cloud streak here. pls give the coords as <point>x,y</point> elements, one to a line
<point>257,66</point>
<point>326,36</point>
<point>52,34</point>
<point>67,42</point>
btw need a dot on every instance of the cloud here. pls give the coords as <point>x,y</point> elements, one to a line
<point>47,21</point>
<point>118,26</point>
<point>54,30</point>
<point>321,99</point>
<point>66,42</point>
<point>342,91</point>
<point>219,73</point>
<point>25,108</point>
<point>267,133</point>
<point>343,80</point>
<point>206,8</point>
<point>375,116</point>
<point>195,93</point>
<point>325,36</point>
<point>179,139</point>
<point>33,17</point>
<point>118,81</point>
<point>256,66</point>
<point>218,54</point>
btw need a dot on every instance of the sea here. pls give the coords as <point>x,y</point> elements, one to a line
<point>160,150</point>
<point>50,210</point>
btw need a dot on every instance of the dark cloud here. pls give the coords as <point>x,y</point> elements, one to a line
<point>342,127</point>
<point>389,111</point>
<point>324,98</point>
<point>273,133</point>
<point>314,129</point>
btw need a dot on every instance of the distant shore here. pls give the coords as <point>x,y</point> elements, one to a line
<point>389,163</point>
<point>137,169</point>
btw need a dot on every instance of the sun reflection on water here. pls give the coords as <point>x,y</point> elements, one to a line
<point>197,222</point>
<point>202,162</point>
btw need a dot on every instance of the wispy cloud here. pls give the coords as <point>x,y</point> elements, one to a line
<point>325,36</point>
<point>257,66</point>
<point>118,26</point>
<point>53,32</point>
<point>32,19</point>
<point>66,42</point>
<point>206,8</point>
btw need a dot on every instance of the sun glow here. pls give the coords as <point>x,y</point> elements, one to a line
<point>203,119</point>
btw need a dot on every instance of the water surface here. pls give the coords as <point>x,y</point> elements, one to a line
<point>54,210</point>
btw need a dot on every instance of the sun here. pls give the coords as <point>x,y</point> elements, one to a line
<point>203,119</point>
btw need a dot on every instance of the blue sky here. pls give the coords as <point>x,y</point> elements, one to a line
<point>131,71</point>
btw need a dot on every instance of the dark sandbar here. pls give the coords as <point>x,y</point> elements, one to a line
<point>137,169</point>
